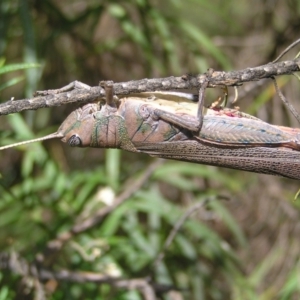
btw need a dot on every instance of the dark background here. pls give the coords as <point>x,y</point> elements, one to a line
<point>245,247</point>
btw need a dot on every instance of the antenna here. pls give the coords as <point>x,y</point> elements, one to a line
<point>54,135</point>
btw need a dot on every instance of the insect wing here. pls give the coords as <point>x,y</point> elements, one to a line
<point>274,161</point>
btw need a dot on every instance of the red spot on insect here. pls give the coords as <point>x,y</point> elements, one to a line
<point>227,112</point>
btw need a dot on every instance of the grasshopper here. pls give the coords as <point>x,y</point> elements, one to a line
<point>166,129</point>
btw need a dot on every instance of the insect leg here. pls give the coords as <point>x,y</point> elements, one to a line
<point>186,123</point>
<point>190,124</point>
<point>201,97</point>
<point>109,92</point>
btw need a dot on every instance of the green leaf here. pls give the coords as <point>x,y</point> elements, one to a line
<point>11,82</point>
<point>203,40</point>
<point>15,67</point>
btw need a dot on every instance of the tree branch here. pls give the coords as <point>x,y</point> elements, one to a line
<point>76,94</point>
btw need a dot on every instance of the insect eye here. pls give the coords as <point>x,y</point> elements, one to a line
<point>74,141</point>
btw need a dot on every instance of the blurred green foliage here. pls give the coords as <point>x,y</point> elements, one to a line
<point>245,247</point>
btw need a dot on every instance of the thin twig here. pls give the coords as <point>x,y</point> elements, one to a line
<point>285,101</point>
<point>176,228</point>
<point>286,50</point>
<point>18,265</point>
<point>180,223</point>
